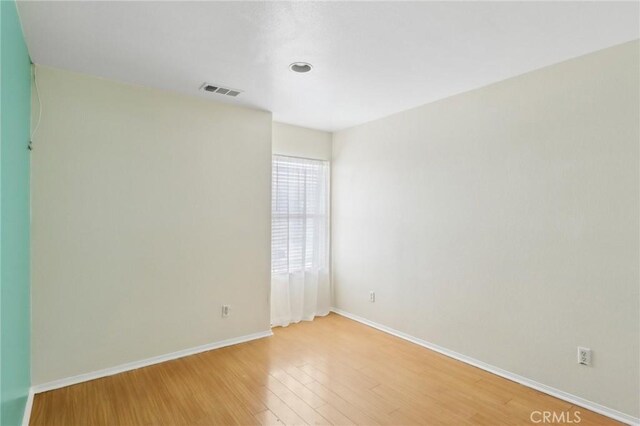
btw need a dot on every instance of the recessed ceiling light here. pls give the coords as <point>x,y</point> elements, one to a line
<point>300,67</point>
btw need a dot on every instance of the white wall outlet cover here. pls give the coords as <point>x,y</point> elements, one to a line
<point>584,355</point>
<point>225,311</point>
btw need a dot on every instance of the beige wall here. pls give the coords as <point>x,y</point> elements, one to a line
<point>150,210</point>
<point>503,224</point>
<point>301,142</point>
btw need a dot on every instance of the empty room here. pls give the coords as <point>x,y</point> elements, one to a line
<point>319,213</point>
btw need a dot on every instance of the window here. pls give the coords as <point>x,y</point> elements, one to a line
<point>299,215</point>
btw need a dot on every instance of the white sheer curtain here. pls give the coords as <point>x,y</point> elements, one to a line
<point>300,280</point>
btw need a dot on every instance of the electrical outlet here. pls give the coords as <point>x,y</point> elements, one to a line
<point>225,310</point>
<point>584,356</point>
<point>372,296</point>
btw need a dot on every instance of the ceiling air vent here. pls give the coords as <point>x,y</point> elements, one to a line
<point>220,90</point>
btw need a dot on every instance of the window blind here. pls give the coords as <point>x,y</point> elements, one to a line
<point>299,215</point>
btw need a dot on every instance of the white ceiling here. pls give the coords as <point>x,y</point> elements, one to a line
<point>371,59</point>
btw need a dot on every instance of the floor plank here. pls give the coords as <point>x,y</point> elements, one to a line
<point>329,371</point>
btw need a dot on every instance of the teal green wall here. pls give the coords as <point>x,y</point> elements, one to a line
<point>15,106</point>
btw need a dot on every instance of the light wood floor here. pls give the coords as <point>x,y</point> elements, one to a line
<point>329,371</point>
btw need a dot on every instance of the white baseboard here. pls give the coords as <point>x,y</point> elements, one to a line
<point>605,411</point>
<point>56,384</point>
<point>27,408</point>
